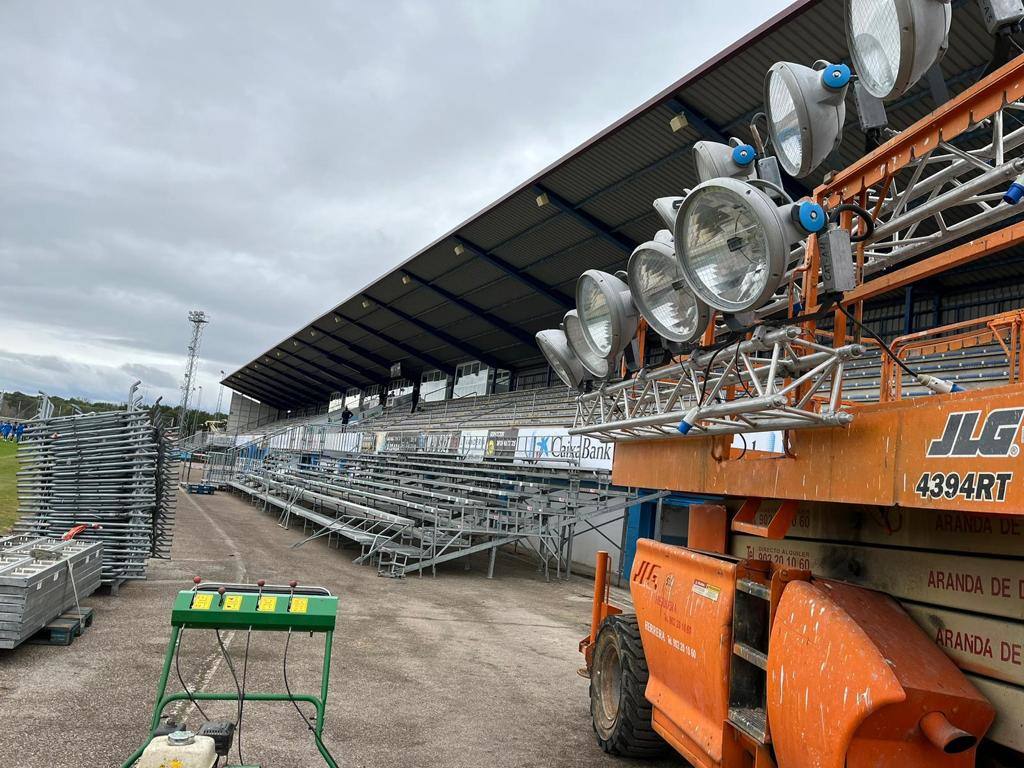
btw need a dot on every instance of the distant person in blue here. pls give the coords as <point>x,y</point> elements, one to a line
<point>18,432</point>
<point>5,430</point>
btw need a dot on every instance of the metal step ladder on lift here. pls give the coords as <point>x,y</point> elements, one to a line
<point>751,626</point>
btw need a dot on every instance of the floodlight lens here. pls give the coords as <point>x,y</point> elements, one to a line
<point>876,44</point>
<point>725,247</point>
<point>598,366</point>
<point>660,290</point>
<point>786,120</point>
<point>555,347</point>
<point>595,312</point>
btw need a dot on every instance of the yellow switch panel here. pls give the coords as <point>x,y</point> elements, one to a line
<point>233,603</point>
<point>267,604</point>
<point>202,602</point>
<point>299,605</point>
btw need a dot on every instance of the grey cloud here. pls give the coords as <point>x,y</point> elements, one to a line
<point>150,375</point>
<point>260,160</point>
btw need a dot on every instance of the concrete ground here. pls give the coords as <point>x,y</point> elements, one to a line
<point>446,672</point>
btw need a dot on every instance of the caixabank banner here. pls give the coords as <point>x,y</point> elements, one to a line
<point>554,446</point>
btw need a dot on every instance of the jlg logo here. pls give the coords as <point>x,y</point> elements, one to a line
<point>996,437</point>
<point>646,574</point>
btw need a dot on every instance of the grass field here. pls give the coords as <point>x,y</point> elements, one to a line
<point>8,489</point>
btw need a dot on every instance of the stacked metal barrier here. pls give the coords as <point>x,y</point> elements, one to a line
<point>41,578</point>
<point>116,470</point>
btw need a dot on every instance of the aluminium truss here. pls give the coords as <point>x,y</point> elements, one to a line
<point>770,381</point>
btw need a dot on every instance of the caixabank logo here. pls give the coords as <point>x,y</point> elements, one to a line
<point>972,435</point>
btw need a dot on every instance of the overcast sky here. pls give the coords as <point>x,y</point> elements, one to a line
<point>262,160</point>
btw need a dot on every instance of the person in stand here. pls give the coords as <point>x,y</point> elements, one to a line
<point>18,432</point>
<point>346,417</point>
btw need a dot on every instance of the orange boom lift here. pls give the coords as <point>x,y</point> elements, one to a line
<point>857,600</point>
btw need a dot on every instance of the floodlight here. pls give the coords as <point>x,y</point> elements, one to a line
<point>599,367</point>
<point>715,160</point>
<point>806,111</point>
<point>606,311</point>
<point>894,42</point>
<point>662,294</point>
<point>560,357</point>
<point>733,242</point>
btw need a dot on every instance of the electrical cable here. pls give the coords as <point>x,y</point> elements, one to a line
<point>888,350</point>
<point>241,701</point>
<point>238,688</point>
<point>177,668</point>
<point>771,185</point>
<point>284,672</point>
<point>861,213</point>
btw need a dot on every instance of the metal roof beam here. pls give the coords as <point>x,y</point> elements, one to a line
<point>318,389</point>
<point>333,358</point>
<point>473,309</point>
<point>334,376</point>
<point>539,286</point>
<point>447,338</point>
<point>277,396</point>
<point>292,391</point>
<point>331,384</point>
<point>373,357</point>
<point>703,125</point>
<point>411,351</point>
<point>599,228</point>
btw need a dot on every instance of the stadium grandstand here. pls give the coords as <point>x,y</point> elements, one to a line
<point>445,344</point>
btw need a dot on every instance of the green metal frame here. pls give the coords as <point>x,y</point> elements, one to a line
<point>318,617</point>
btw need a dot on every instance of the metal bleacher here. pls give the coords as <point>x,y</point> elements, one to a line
<point>971,367</point>
<point>550,406</point>
<point>411,512</point>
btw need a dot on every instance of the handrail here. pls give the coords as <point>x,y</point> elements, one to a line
<point>1004,328</point>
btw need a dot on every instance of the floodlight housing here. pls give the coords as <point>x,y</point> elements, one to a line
<point>733,242</point>
<point>597,366</point>
<point>715,160</point>
<point>806,110</point>
<point>894,42</point>
<point>563,361</point>
<point>662,294</point>
<point>606,312</point>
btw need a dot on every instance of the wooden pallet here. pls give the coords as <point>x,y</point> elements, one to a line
<point>200,488</point>
<point>64,629</point>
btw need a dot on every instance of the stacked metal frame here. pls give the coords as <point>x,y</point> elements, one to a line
<point>112,471</point>
<point>41,578</point>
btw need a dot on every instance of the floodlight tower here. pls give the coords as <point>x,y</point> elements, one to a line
<point>198,319</point>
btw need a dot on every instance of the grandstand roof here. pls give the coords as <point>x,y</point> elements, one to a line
<point>483,289</point>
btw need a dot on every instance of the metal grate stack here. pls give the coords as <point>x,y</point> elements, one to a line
<point>115,470</point>
<point>41,578</point>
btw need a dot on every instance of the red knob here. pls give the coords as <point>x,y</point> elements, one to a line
<point>196,580</point>
<point>221,590</point>
<point>261,583</point>
<point>293,584</point>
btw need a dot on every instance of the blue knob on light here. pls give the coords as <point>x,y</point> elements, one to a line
<point>811,217</point>
<point>743,155</point>
<point>836,76</point>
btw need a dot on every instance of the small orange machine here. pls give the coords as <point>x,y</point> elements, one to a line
<point>742,664</point>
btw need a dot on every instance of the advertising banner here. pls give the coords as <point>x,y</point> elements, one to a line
<point>501,443</point>
<point>554,446</point>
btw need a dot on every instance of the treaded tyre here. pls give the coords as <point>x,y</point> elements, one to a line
<point>620,713</point>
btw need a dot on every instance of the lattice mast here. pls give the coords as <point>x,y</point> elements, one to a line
<point>198,319</point>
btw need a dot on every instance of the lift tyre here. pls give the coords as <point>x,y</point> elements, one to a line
<point>621,714</point>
